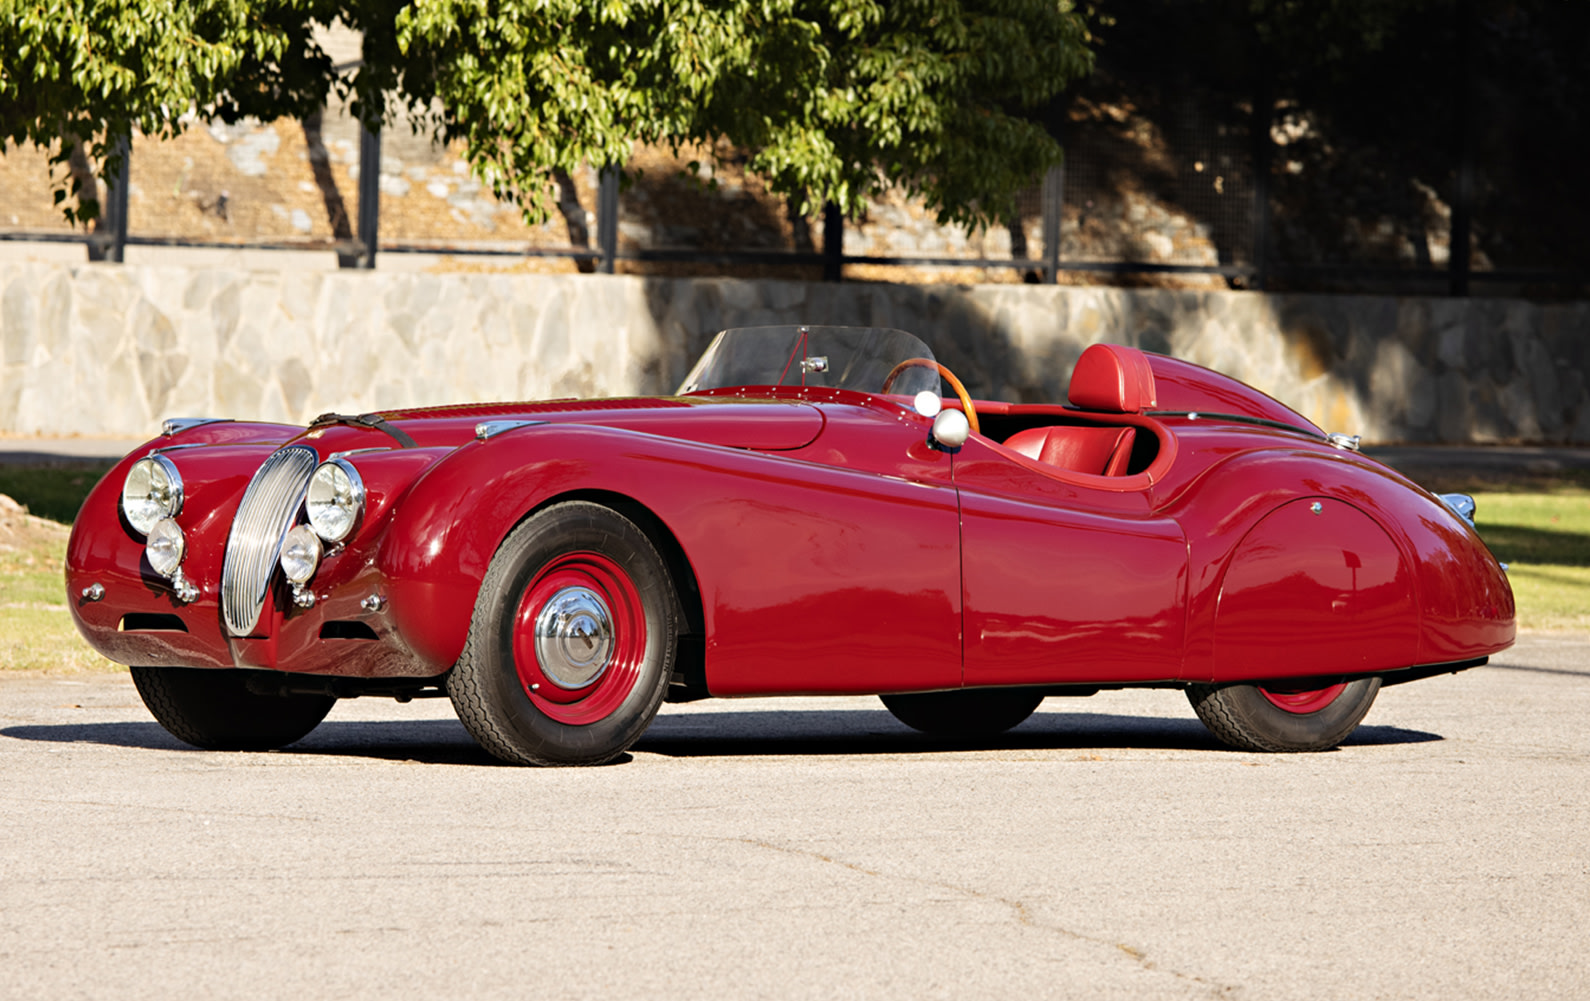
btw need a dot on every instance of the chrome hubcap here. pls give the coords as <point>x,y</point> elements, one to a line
<point>574,637</point>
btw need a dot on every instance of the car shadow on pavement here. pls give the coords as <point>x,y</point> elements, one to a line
<point>760,733</point>
<point>439,742</point>
<point>849,731</point>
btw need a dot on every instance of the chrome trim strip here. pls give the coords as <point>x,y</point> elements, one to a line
<point>270,507</point>
<point>490,429</point>
<point>176,425</point>
<point>334,456</point>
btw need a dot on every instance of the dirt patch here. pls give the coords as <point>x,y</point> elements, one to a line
<point>22,531</point>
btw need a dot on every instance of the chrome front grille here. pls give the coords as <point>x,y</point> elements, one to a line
<point>270,506</point>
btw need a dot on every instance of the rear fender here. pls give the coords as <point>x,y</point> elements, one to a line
<point>1435,568</point>
<point>1316,587</point>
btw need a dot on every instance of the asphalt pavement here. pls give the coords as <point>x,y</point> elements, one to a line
<point>809,848</point>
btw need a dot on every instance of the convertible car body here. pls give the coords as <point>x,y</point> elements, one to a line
<point>806,516</point>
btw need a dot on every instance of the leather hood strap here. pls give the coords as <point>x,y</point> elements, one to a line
<point>374,421</point>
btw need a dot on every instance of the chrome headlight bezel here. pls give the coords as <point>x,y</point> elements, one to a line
<point>334,500</point>
<point>152,491</point>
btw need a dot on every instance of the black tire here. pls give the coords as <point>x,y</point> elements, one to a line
<point>1245,718</point>
<point>968,713</point>
<point>214,709</point>
<point>522,703</point>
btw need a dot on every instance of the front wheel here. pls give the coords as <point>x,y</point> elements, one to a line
<point>1281,718</point>
<point>572,640</point>
<point>215,709</point>
<point>966,713</point>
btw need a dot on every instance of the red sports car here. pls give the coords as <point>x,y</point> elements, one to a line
<point>806,516</point>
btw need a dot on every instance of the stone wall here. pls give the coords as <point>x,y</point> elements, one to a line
<point>108,350</point>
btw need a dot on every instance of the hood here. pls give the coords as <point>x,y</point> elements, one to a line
<point>767,425</point>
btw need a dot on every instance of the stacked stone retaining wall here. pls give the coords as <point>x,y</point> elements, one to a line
<point>112,350</point>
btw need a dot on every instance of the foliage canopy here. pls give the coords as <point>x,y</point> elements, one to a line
<point>834,99</point>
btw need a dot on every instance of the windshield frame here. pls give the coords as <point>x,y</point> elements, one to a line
<point>810,356</point>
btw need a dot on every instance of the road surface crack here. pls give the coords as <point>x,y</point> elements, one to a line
<point>1018,908</point>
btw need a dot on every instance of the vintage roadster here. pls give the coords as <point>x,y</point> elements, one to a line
<point>805,516</point>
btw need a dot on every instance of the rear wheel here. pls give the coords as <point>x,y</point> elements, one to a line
<point>214,708</point>
<point>967,713</point>
<point>572,640</point>
<point>1283,718</point>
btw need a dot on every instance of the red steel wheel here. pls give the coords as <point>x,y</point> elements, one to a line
<point>579,638</point>
<point>572,641</point>
<point>1301,701</point>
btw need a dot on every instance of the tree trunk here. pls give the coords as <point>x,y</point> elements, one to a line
<point>575,217</point>
<point>800,229</point>
<point>336,209</point>
<point>86,187</point>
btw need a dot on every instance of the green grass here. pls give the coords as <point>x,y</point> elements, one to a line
<point>54,492</point>
<point>1544,538</point>
<point>43,639</point>
<point>36,630</point>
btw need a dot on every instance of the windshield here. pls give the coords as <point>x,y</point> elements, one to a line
<point>858,358</point>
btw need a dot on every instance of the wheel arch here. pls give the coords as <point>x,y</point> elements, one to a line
<point>687,589</point>
<point>690,667</point>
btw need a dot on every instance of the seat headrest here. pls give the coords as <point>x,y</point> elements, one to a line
<point>1112,378</point>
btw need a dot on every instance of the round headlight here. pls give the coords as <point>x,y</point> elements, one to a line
<point>300,554</point>
<point>167,546</point>
<point>335,500</point>
<point>152,491</point>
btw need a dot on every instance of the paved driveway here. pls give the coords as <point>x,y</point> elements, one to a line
<point>809,848</point>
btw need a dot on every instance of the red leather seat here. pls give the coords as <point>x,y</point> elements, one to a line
<point>1099,451</point>
<point>1112,378</point>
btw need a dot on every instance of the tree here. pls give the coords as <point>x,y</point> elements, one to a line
<point>1387,89</point>
<point>835,99</point>
<point>76,75</point>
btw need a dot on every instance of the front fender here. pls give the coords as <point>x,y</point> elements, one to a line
<point>443,534</point>
<point>215,462</point>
